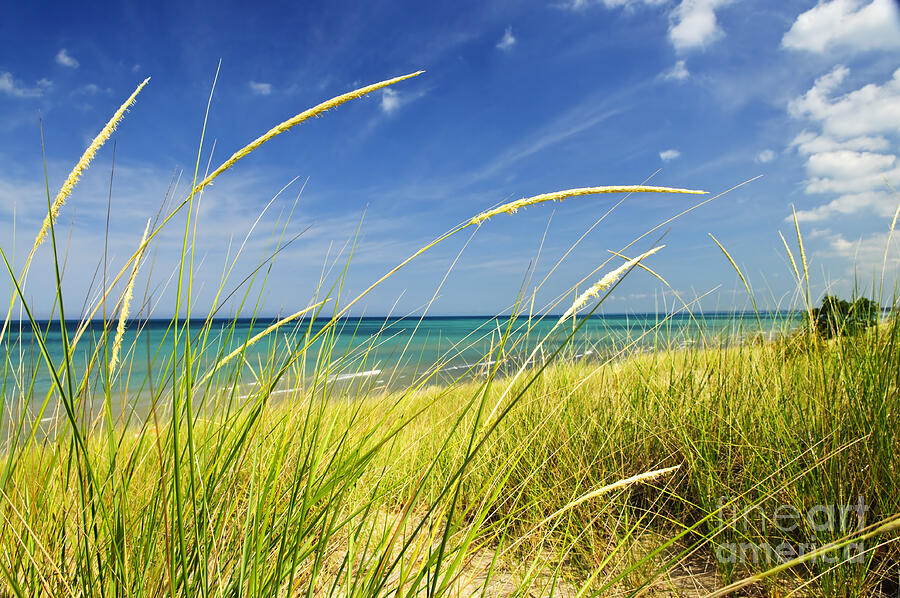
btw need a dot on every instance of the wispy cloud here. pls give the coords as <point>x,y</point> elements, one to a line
<point>63,58</point>
<point>392,100</point>
<point>91,89</point>
<point>261,89</point>
<point>678,72</point>
<point>765,156</point>
<point>626,4</point>
<point>669,155</point>
<point>845,25</point>
<point>570,123</point>
<point>9,86</point>
<point>866,253</point>
<point>508,40</point>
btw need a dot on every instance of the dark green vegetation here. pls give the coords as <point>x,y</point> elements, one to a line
<point>837,317</point>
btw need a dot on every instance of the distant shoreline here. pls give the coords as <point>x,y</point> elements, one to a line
<point>275,318</point>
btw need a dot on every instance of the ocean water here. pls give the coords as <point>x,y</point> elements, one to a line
<point>380,352</point>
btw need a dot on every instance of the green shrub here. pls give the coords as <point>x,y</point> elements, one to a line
<point>838,317</point>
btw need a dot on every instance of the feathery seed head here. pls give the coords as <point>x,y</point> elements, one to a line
<point>126,300</point>
<point>607,281</point>
<point>272,328</point>
<point>296,120</point>
<point>512,207</point>
<point>82,165</point>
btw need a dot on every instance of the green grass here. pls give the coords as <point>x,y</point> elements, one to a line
<point>281,494</point>
<point>493,484</point>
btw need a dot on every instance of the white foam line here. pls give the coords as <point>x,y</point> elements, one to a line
<point>274,392</point>
<point>357,375</point>
<point>376,372</point>
<point>333,379</point>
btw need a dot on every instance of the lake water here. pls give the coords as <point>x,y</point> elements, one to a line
<point>381,352</point>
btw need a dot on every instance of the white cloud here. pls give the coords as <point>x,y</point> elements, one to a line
<point>678,72</point>
<point>810,143</point>
<point>868,253</point>
<point>844,163</point>
<point>630,4</point>
<point>854,183</point>
<point>845,25</point>
<point>63,58</point>
<point>872,109</point>
<point>694,24</point>
<point>851,157</point>
<point>9,87</point>
<point>261,89</point>
<point>765,156</point>
<point>91,89</point>
<point>390,100</point>
<point>508,40</point>
<point>875,202</point>
<point>669,154</point>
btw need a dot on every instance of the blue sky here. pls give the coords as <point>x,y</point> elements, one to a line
<point>518,98</point>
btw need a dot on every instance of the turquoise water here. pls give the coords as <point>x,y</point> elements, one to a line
<point>380,352</point>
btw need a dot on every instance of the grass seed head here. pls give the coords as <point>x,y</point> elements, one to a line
<point>126,300</point>
<point>513,207</point>
<point>607,281</point>
<point>85,161</point>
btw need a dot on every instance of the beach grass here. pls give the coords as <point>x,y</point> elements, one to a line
<point>625,474</point>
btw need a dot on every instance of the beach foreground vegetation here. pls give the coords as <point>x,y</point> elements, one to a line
<point>767,464</point>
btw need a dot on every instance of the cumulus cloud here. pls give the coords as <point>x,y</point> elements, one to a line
<point>850,156</point>
<point>870,109</point>
<point>508,40</point>
<point>9,86</point>
<point>811,143</point>
<point>843,164</point>
<point>765,156</point>
<point>261,89</point>
<point>858,183</point>
<point>845,25</point>
<point>693,24</point>
<point>63,58</point>
<point>678,72</point>
<point>669,154</point>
